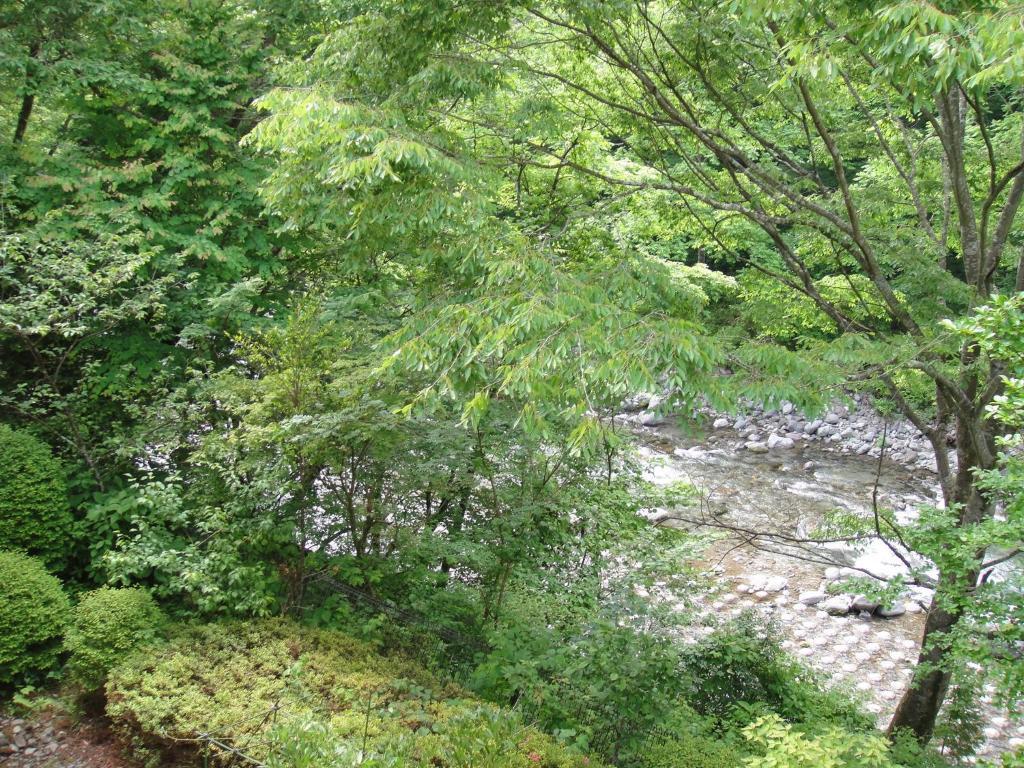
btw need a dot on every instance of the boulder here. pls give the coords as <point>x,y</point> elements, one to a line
<point>637,402</point>
<point>774,441</point>
<point>775,583</point>
<point>651,419</point>
<point>892,611</point>
<point>861,603</point>
<point>833,573</point>
<point>812,598</point>
<point>837,605</point>
<point>721,423</point>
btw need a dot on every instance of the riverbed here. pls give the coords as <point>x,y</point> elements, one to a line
<point>790,491</point>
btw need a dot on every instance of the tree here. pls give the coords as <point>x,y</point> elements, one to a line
<point>875,148</point>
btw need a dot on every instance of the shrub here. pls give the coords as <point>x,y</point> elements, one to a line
<point>326,691</point>
<point>688,741</point>
<point>33,613</point>
<point>106,625</point>
<point>691,751</point>
<point>34,514</point>
<point>740,672</point>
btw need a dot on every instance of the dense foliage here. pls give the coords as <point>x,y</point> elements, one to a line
<point>33,614</point>
<point>34,514</point>
<point>325,308</point>
<point>106,625</point>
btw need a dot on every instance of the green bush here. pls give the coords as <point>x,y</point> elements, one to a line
<point>691,751</point>
<point>34,514</point>
<point>33,613</point>
<point>106,625</point>
<point>740,672</point>
<point>325,690</point>
<point>688,741</point>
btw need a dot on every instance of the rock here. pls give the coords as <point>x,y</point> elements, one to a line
<point>913,607</point>
<point>909,456</point>
<point>809,465</point>
<point>787,408</point>
<point>812,598</point>
<point>720,423</point>
<point>637,402</point>
<point>838,605</point>
<point>775,583</point>
<point>774,441</point>
<point>651,419</point>
<point>755,446</point>
<point>813,427</point>
<point>864,615</point>
<point>892,611</point>
<point>741,422</point>
<point>826,430</point>
<point>19,740</point>
<point>862,449</point>
<point>861,603</point>
<point>831,418</point>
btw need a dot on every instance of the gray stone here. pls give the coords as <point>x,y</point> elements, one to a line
<point>637,402</point>
<point>812,598</point>
<point>811,428</point>
<point>741,422</point>
<point>833,573</point>
<point>787,408</point>
<point>826,430</point>
<point>774,441</point>
<point>831,418</point>
<point>809,465</point>
<point>775,583</point>
<point>652,419</point>
<point>721,423</point>
<point>892,611</point>
<point>863,448</point>
<point>861,603</point>
<point>838,605</point>
<point>755,446</point>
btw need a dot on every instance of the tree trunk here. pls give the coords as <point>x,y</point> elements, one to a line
<point>920,705</point>
<point>29,99</point>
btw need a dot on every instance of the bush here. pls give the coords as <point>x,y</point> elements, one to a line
<point>106,625</point>
<point>34,514</point>
<point>327,693</point>
<point>692,744</point>
<point>33,613</point>
<point>740,672</point>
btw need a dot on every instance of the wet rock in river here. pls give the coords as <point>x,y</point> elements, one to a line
<point>775,441</point>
